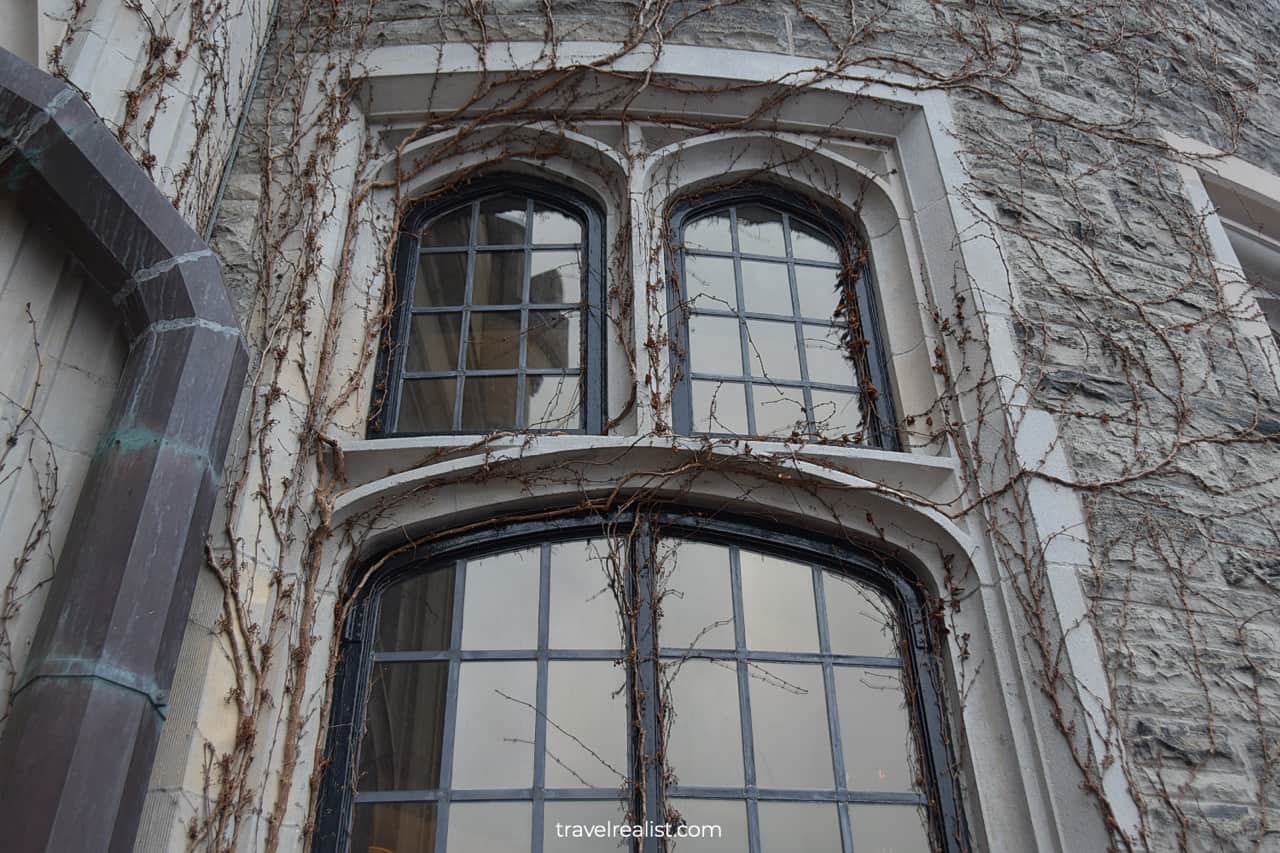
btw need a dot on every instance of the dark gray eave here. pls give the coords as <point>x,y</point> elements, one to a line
<point>77,749</point>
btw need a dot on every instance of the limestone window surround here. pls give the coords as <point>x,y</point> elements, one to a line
<point>1239,204</point>
<point>878,146</point>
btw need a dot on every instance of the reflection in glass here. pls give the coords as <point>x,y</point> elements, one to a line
<point>827,356</point>
<point>488,403</point>
<point>416,614</point>
<point>779,410</point>
<point>730,816</point>
<point>773,349</point>
<point>697,606</point>
<point>879,748</point>
<point>489,828</point>
<point>888,829</point>
<point>441,280</point>
<point>553,227</point>
<point>837,413</point>
<point>555,277</point>
<point>404,727</point>
<point>765,288</point>
<point>789,725</point>
<point>859,620</point>
<point>560,817</point>
<point>500,602</point>
<point>586,724</point>
<point>493,740</point>
<point>710,233</point>
<point>715,345</point>
<point>426,405</point>
<point>493,341</point>
<point>760,231</point>
<point>501,222</point>
<point>555,340</point>
<point>399,827</point>
<point>788,827</point>
<point>585,613</point>
<point>553,402</point>
<point>818,291</point>
<point>719,407</point>
<point>777,604</point>
<point>499,278</point>
<point>809,244</point>
<point>451,229</point>
<point>705,745</point>
<point>433,343</point>
<point>709,283</point>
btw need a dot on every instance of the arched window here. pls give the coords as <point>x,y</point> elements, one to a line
<point>496,693</point>
<point>497,323</point>
<point>776,324</point>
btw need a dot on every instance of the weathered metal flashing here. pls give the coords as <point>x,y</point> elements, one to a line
<point>77,749</point>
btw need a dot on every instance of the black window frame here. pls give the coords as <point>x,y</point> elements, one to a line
<point>919,662</point>
<point>851,245</point>
<point>389,369</point>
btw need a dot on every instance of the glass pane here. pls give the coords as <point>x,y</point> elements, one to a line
<point>719,407</point>
<point>553,402</point>
<point>785,827</point>
<point>777,604</point>
<point>859,620</point>
<point>417,613</point>
<point>709,232</point>
<point>875,729</point>
<point>426,405</point>
<point>441,280</point>
<point>810,244</point>
<point>779,411</point>
<point>705,745</point>
<point>583,827</point>
<point>502,221</point>
<point>490,828</point>
<point>888,829</point>
<point>760,231</point>
<point>819,293</point>
<point>715,826</point>
<point>451,229</point>
<point>789,726</point>
<point>555,277</point>
<point>493,741</point>
<point>715,345</point>
<point>433,342</point>
<point>697,606</point>
<point>499,279</point>
<point>773,349</point>
<point>500,601</point>
<point>709,284</point>
<point>398,827</point>
<point>766,289</point>
<point>555,339</point>
<point>552,226</point>
<point>837,414</point>
<point>403,727</point>
<point>493,341</point>
<point>488,402</point>
<point>827,356</point>
<point>586,724</point>
<point>584,604</point>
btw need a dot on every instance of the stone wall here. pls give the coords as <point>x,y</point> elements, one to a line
<point>1165,403</point>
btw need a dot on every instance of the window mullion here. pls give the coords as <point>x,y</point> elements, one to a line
<point>464,332</point>
<point>743,334</point>
<point>451,707</point>
<point>645,693</point>
<point>540,702</point>
<point>744,704</point>
<point>807,391</point>
<point>833,710</point>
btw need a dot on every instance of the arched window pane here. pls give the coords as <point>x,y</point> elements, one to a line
<point>505,693</point>
<point>762,290</point>
<point>503,287</point>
